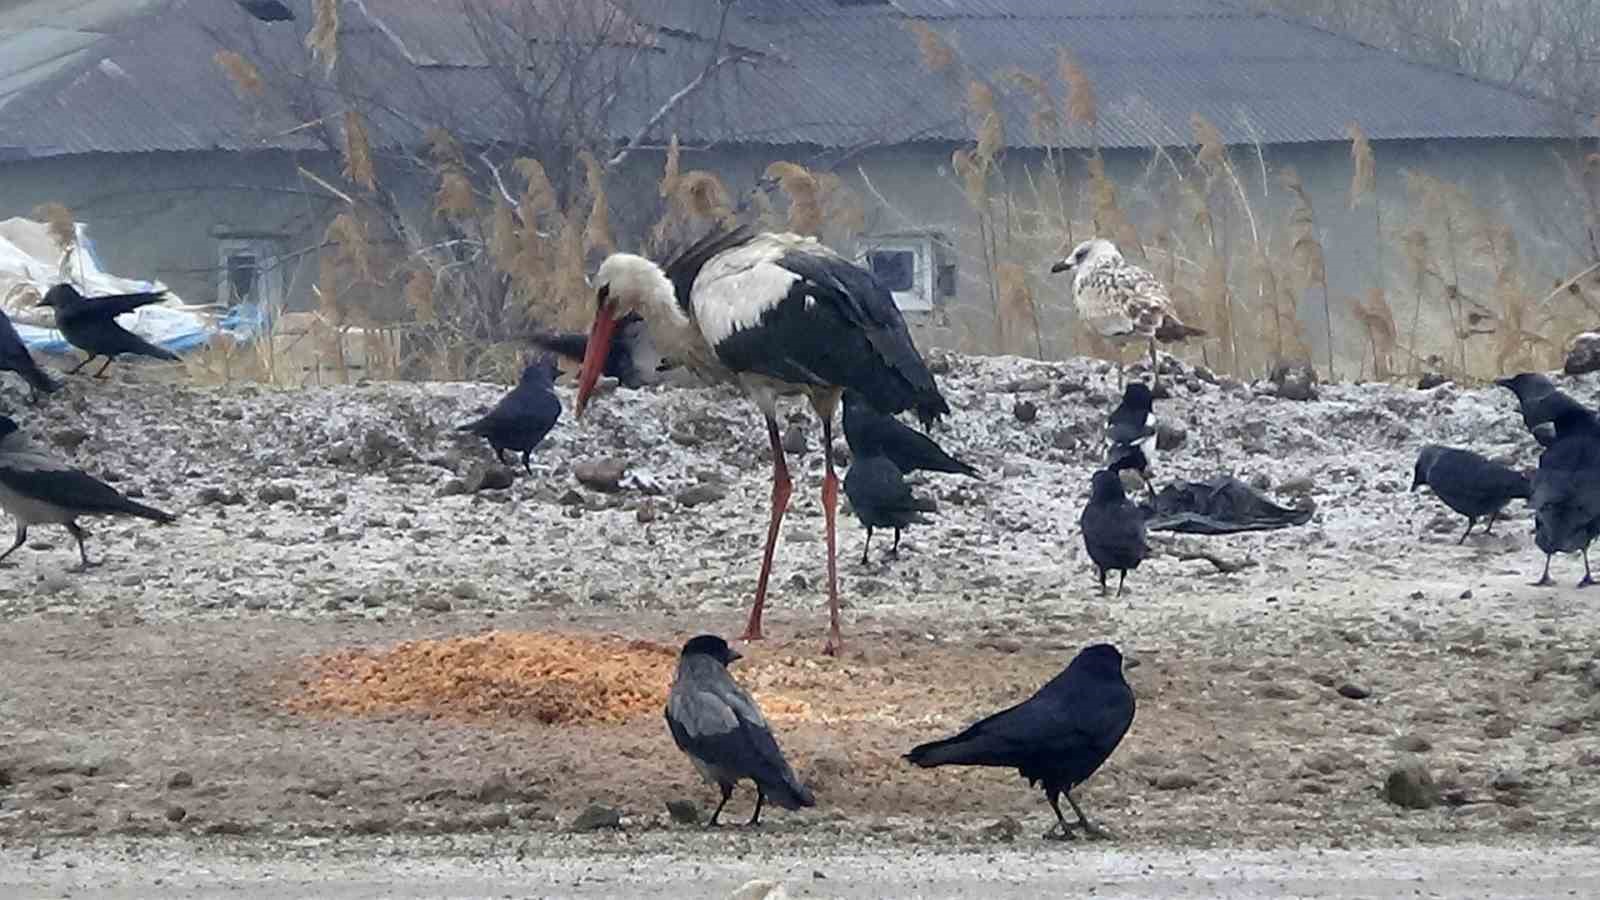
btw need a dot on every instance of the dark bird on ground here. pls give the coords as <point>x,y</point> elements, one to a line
<point>14,357</point>
<point>1541,403</point>
<point>867,430</point>
<point>38,489</point>
<point>1469,484</point>
<point>268,10</point>
<point>1131,432</point>
<point>1566,490</point>
<point>774,314</point>
<point>718,725</point>
<point>880,498</point>
<point>90,324</point>
<point>523,417</point>
<point>633,358</point>
<point>1113,528</point>
<point>1059,736</point>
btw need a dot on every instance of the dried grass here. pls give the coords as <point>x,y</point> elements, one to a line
<point>59,224</point>
<point>938,56</point>
<point>358,166</point>
<point>804,192</point>
<point>323,37</point>
<point>1017,321</point>
<point>1082,107</point>
<point>1306,250</point>
<point>597,230</point>
<point>243,74</point>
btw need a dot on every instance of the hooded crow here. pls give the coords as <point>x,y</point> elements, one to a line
<point>722,730</point>
<point>523,417</point>
<point>633,358</point>
<point>1113,528</point>
<point>14,357</point>
<point>880,498</point>
<point>37,489</point>
<point>1469,484</point>
<point>90,324</point>
<point>1566,490</point>
<point>1059,736</point>
<point>866,430</point>
<point>1131,432</point>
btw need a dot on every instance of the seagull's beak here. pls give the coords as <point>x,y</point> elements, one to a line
<point>594,354</point>
<point>1063,266</point>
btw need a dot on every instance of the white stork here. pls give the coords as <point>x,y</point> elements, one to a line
<point>774,314</point>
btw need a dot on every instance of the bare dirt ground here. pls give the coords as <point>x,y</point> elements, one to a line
<point>152,702</point>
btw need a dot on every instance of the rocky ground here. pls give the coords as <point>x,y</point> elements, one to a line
<point>1356,667</point>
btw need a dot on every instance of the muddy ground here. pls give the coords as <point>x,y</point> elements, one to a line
<point>150,696</point>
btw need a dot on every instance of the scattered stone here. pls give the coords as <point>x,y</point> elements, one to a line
<point>603,475</point>
<point>434,604</point>
<point>684,812</point>
<point>1585,354</point>
<point>1005,829</point>
<point>454,487</point>
<point>493,821</point>
<point>1411,786</point>
<point>176,813</point>
<point>597,817</point>
<point>277,493</point>
<point>1354,691</point>
<point>794,439</point>
<point>1064,439</point>
<point>1431,380</point>
<point>1029,384</point>
<point>1170,436</point>
<point>1295,381</point>
<point>571,498</point>
<point>1278,691</point>
<point>464,590</point>
<point>1499,727</point>
<point>1025,411</point>
<point>1508,780</point>
<point>700,494</point>
<point>180,780</point>
<point>1299,485</point>
<point>1413,743</point>
<point>645,514</point>
<point>68,439</point>
<point>488,477</point>
<point>215,496</point>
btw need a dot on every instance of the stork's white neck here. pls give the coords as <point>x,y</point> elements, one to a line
<point>636,284</point>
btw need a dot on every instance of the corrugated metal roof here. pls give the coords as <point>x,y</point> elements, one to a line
<point>818,73</point>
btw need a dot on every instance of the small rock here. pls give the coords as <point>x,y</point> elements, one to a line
<point>1175,781</point>
<point>1499,727</point>
<point>176,813</point>
<point>1278,691</point>
<point>488,477</point>
<point>1295,381</point>
<point>1170,436</point>
<point>180,780</point>
<point>1003,829</point>
<point>701,493</point>
<point>1299,485</point>
<point>453,488</point>
<point>1261,481</point>
<point>463,590</point>
<point>68,439</point>
<point>645,514</point>
<point>1411,786</point>
<point>1064,439</point>
<point>597,817</point>
<point>1028,385</point>
<point>1413,743</point>
<point>571,498</point>
<point>1584,355</point>
<point>1025,411</point>
<point>1508,780</point>
<point>684,812</point>
<point>794,439</point>
<point>1354,691</point>
<point>276,493</point>
<point>601,475</point>
<point>434,604</point>
<point>493,821</point>
<point>1431,380</point>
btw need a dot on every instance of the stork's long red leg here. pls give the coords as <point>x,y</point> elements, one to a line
<point>830,503</point>
<point>781,487</point>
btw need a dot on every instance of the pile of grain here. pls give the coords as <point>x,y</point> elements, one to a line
<point>498,676</point>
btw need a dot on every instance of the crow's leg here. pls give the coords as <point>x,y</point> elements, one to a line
<point>1588,579</point>
<point>1122,577</point>
<point>500,455</point>
<point>1489,528</point>
<point>1102,580</point>
<point>74,369</point>
<point>22,538</point>
<point>525,464</point>
<point>1065,834</point>
<point>895,550</point>
<point>755,818</point>
<point>1471,521</point>
<point>79,534</point>
<point>1089,828</point>
<point>1545,580</point>
<point>102,372</point>
<point>866,545</point>
<point>727,791</point>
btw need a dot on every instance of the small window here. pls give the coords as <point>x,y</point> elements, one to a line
<point>248,273</point>
<point>904,265</point>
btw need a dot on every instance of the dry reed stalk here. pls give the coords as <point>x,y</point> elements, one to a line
<point>938,56</point>
<point>59,224</point>
<point>802,188</point>
<point>1377,319</point>
<point>243,74</point>
<point>984,117</point>
<point>419,296</point>
<point>1018,313</point>
<point>1306,249</point>
<point>358,166</point>
<point>323,37</point>
<point>597,230</point>
<point>1082,107</point>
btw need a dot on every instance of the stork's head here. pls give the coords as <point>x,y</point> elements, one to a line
<point>624,284</point>
<point>1087,254</point>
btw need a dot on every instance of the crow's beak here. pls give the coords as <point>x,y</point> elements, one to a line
<point>594,354</point>
<point>1062,266</point>
<point>734,655</point>
<point>1503,382</point>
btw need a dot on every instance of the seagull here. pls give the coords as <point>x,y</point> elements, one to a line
<point>1120,301</point>
<point>38,489</point>
<point>774,314</point>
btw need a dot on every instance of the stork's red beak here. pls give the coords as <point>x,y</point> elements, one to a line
<point>594,354</point>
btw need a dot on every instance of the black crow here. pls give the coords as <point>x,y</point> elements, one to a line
<point>722,730</point>
<point>14,357</point>
<point>1469,484</point>
<point>1131,432</point>
<point>1566,491</point>
<point>633,358</point>
<point>90,324</point>
<point>880,498</point>
<point>1541,403</point>
<point>1059,736</point>
<point>37,489</point>
<point>523,417</point>
<point>867,430</point>
<point>1113,528</point>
